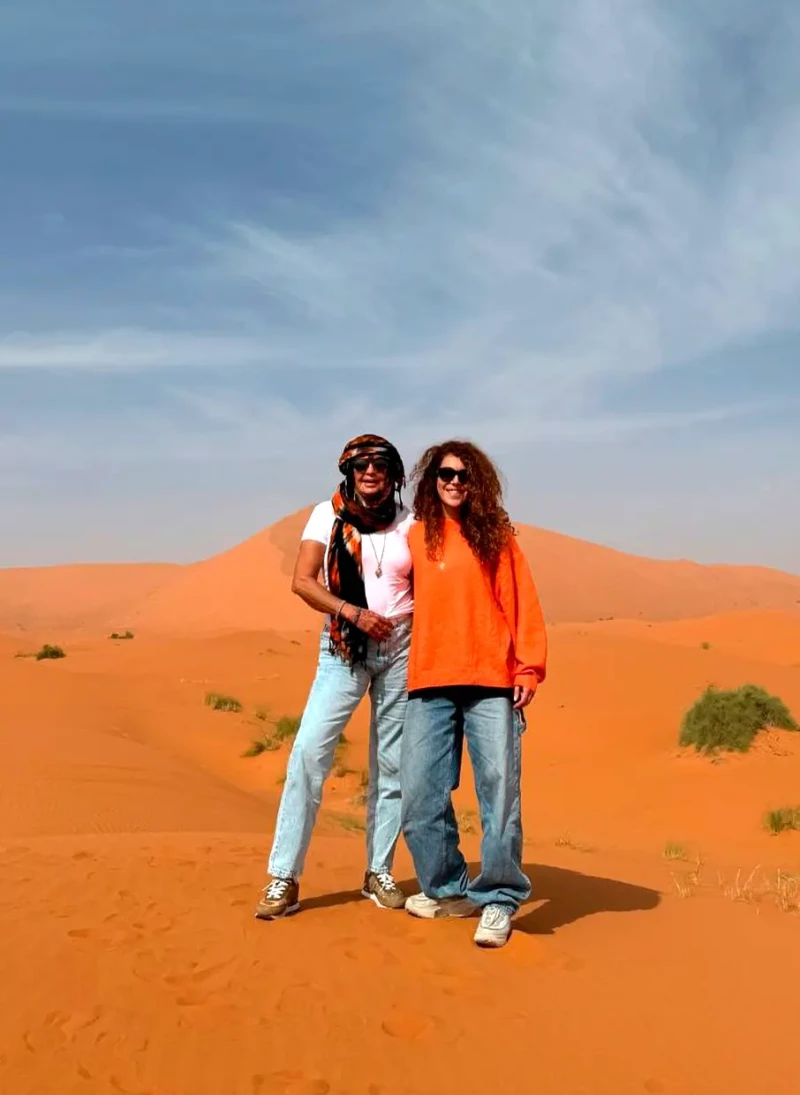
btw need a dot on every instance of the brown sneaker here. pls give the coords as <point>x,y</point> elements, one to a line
<point>383,890</point>
<point>280,898</point>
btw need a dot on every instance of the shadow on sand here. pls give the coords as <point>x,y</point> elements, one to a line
<point>568,896</point>
<point>561,897</point>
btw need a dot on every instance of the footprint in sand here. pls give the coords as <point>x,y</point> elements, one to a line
<point>191,1000</point>
<point>365,950</point>
<point>405,1025</point>
<point>148,966</point>
<point>203,973</point>
<point>15,850</point>
<point>461,986</point>
<point>241,894</point>
<point>291,1083</point>
<point>119,1086</point>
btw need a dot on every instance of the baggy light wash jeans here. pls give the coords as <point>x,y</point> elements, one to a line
<point>431,761</point>
<point>335,694</point>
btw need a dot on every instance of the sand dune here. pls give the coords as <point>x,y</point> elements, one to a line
<point>583,581</point>
<point>769,636</point>
<point>77,596</point>
<point>247,588</point>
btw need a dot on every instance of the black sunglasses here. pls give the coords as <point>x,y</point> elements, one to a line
<point>379,463</point>
<point>450,475</point>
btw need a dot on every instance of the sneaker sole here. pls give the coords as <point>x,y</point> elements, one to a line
<point>292,909</point>
<point>492,943</point>
<point>441,914</point>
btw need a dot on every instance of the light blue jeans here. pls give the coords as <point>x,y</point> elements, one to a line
<point>431,761</point>
<point>335,694</point>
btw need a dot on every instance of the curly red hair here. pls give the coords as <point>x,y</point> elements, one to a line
<point>485,524</point>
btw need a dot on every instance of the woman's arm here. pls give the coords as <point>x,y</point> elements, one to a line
<point>307,586</point>
<point>519,601</point>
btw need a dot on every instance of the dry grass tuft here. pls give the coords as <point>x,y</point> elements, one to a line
<point>783,820</point>
<point>218,701</point>
<point>566,841</point>
<point>467,821</point>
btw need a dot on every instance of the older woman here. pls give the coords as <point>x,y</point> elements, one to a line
<point>357,544</point>
<point>478,653</point>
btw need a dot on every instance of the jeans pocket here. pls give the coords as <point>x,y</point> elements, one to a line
<point>520,722</point>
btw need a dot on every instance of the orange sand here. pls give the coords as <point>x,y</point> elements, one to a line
<point>133,837</point>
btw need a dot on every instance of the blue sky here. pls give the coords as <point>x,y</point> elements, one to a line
<point>236,234</point>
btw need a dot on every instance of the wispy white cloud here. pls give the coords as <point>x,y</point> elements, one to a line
<point>545,239</point>
<point>129,350</point>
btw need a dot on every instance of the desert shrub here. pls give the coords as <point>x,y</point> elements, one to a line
<point>674,851</point>
<point>361,797</point>
<point>339,758</point>
<point>286,727</point>
<point>217,701</point>
<point>731,719</point>
<point>50,653</point>
<point>262,713</point>
<point>778,821</point>
<point>260,745</point>
<point>121,635</point>
<point>705,646</point>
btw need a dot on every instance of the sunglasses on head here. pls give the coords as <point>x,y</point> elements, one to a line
<point>451,475</point>
<point>379,463</point>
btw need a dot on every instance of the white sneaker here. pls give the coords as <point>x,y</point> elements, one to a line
<point>494,928</point>
<point>431,908</point>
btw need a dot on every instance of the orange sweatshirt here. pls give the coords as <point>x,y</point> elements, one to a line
<point>468,629</point>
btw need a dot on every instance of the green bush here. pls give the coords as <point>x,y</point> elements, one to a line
<point>731,719</point>
<point>286,727</point>
<point>217,701</point>
<point>50,653</point>
<point>778,821</point>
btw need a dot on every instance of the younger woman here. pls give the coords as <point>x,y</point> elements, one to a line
<point>478,653</point>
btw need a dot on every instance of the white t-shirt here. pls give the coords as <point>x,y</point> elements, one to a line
<point>391,594</point>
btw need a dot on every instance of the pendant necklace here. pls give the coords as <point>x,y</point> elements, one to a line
<point>379,567</point>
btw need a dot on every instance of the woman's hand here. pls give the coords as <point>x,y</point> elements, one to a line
<point>522,696</point>
<point>377,627</point>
